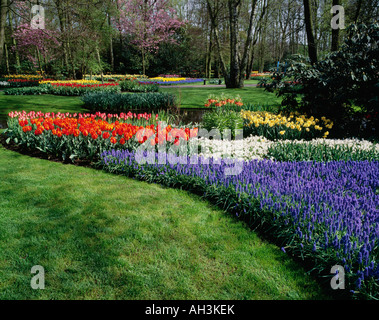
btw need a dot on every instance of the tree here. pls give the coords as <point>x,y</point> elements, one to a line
<point>239,51</point>
<point>3,18</point>
<point>345,78</point>
<point>312,49</point>
<point>257,32</point>
<point>335,32</point>
<point>36,44</point>
<point>149,22</point>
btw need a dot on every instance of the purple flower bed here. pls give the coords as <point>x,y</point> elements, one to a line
<point>327,213</point>
<point>171,82</point>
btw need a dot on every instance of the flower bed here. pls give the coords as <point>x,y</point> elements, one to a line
<point>23,76</point>
<point>84,136</point>
<point>135,86</point>
<point>64,88</point>
<point>117,102</point>
<point>326,213</point>
<point>58,82</point>
<point>322,210</point>
<point>78,89</point>
<point>116,77</point>
<point>279,126</point>
<point>223,102</point>
<point>170,81</point>
<point>258,76</point>
<point>169,76</point>
<point>321,150</point>
<point>18,83</point>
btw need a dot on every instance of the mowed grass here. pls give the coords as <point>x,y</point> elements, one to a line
<point>196,97</point>
<point>103,236</point>
<point>44,103</point>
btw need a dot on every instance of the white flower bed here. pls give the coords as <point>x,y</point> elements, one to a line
<point>355,144</point>
<point>253,147</point>
<point>256,147</point>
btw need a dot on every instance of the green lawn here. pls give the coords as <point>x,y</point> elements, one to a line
<point>45,103</point>
<point>103,236</point>
<point>196,97</point>
<point>188,98</point>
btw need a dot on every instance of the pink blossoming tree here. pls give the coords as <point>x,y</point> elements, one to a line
<point>37,44</point>
<point>149,23</point>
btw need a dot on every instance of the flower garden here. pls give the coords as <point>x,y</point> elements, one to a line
<point>205,151</point>
<point>315,197</point>
<point>30,85</point>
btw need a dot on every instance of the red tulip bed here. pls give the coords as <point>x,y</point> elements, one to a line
<point>85,136</point>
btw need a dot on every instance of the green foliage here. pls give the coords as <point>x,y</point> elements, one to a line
<point>215,81</point>
<point>5,83</point>
<point>342,87</point>
<point>117,102</point>
<point>59,90</point>
<point>182,58</point>
<point>134,86</point>
<point>27,91</point>
<point>222,119</point>
<point>252,107</point>
<point>321,152</point>
<point>79,91</point>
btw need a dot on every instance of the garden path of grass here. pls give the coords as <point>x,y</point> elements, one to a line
<point>103,236</point>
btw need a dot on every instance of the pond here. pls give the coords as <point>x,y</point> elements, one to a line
<point>3,123</point>
<point>186,116</point>
<point>192,115</point>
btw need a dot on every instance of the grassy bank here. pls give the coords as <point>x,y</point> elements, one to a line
<point>102,236</point>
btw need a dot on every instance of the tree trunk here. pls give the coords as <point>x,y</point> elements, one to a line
<point>62,26</point>
<point>111,45</point>
<point>6,58</point>
<point>143,61</point>
<point>39,61</point>
<point>3,19</point>
<point>234,74</point>
<point>14,43</point>
<point>250,64</point>
<point>69,44</point>
<point>99,61</point>
<point>213,12</point>
<point>245,55</point>
<point>335,32</point>
<point>312,50</point>
<point>257,32</point>
<point>359,5</point>
<point>208,64</point>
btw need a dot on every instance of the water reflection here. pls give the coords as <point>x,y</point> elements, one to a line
<point>3,124</point>
<point>192,115</point>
